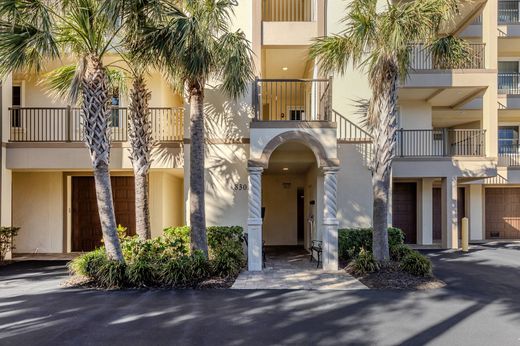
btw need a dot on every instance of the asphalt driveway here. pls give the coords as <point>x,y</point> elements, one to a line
<point>479,306</point>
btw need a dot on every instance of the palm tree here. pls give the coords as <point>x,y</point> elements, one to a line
<point>133,16</point>
<point>195,43</point>
<point>378,40</point>
<point>33,33</point>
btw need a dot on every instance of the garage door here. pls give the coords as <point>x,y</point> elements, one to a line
<point>404,210</point>
<point>86,228</point>
<point>503,213</point>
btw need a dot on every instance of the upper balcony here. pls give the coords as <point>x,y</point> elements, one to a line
<point>291,22</point>
<point>65,124</point>
<point>38,134</point>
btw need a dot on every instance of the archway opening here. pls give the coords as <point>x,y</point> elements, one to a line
<point>290,205</point>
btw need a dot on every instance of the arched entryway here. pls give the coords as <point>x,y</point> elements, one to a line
<point>293,165</point>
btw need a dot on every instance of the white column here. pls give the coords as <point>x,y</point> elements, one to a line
<point>476,212</point>
<point>254,221</point>
<point>450,236</point>
<point>426,226</point>
<point>330,221</point>
<point>5,174</point>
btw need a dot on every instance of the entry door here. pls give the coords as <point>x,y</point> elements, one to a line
<point>86,227</point>
<point>404,210</point>
<point>437,211</point>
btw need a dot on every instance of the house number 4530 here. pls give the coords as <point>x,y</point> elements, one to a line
<point>239,187</point>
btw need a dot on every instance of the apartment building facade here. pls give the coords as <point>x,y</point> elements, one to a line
<point>288,161</point>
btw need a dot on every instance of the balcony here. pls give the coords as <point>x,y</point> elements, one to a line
<point>292,100</point>
<point>508,83</point>
<point>422,59</point>
<point>509,155</point>
<point>65,124</point>
<point>291,22</point>
<point>441,143</point>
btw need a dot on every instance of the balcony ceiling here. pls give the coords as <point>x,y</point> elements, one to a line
<point>468,11</point>
<point>442,117</point>
<point>441,97</point>
<point>294,59</point>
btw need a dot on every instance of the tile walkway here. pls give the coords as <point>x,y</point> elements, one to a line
<point>289,268</point>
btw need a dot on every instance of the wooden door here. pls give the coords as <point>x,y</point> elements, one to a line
<point>86,228</point>
<point>404,210</point>
<point>503,213</point>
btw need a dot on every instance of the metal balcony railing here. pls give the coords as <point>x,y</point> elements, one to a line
<point>292,99</point>
<point>422,58</point>
<point>65,124</point>
<point>289,10</point>
<point>508,83</point>
<point>508,11</point>
<point>509,155</point>
<point>440,143</point>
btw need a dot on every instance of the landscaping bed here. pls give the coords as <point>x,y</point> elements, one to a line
<point>164,262</point>
<point>407,268</point>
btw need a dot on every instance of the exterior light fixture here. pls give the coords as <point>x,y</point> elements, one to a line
<point>285,169</point>
<point>285,68</point>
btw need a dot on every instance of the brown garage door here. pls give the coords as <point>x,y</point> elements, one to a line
<point>86,228</point>
<point>437,211</point>
<point>503,213</point>
<point>404,210</point>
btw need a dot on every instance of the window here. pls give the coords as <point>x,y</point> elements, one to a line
<point>508,11</point>
<point>507,139</point>
<point>16,116</point>
<point>116,112</point>
<point>508,81</point>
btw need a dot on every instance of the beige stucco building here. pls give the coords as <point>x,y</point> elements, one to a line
<point>288,161</point>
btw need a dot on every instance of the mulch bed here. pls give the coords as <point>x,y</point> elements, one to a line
<point>392,277</point>
<point>78,281</point>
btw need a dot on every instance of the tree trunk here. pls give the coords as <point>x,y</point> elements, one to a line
<point>197,204</point>
<point>141,143</point>
<point>96,113</point>
<point>384,85</point>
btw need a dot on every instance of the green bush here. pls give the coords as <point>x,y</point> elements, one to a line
<point>352,240</point>
<point>364,263</point>
<point>416,264</point>
<point>165,260</point>
<point>226,251</point>
<point>7,235</point>
<point>185,271</point>
<point>177,240</point>
<point>399,251</point>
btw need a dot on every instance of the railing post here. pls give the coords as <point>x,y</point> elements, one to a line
<point>401,140</point>
<point>445,142</point>
<point>255,99</point>
<point>68,116</point>
<point>329,100</point>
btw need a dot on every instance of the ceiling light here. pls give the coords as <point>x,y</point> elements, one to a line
<point>285,169</point>
<point>285,68</point>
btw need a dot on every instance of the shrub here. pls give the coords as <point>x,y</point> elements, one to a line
<point>399,251</point>
<point>226,251</point>
<point>416,264</point>
<point>364,263</point>
<point>88,263</point>
<point>111,274</point>
<point>7,235</point>
<point>352,240</point>
<point>185,271</point>
<point>177,240</point>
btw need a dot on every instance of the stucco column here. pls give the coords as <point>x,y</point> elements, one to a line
<point>476,207</point>
<point>450,236</point>
<point>330,220</point>
<point>5,174</point>
<point>254,221</point>
<point>426,217</point>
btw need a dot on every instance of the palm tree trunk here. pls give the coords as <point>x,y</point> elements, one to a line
<point>384,87</point>
<point>141,143</point>
<point>95,112</point>
<point>197,205</point>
